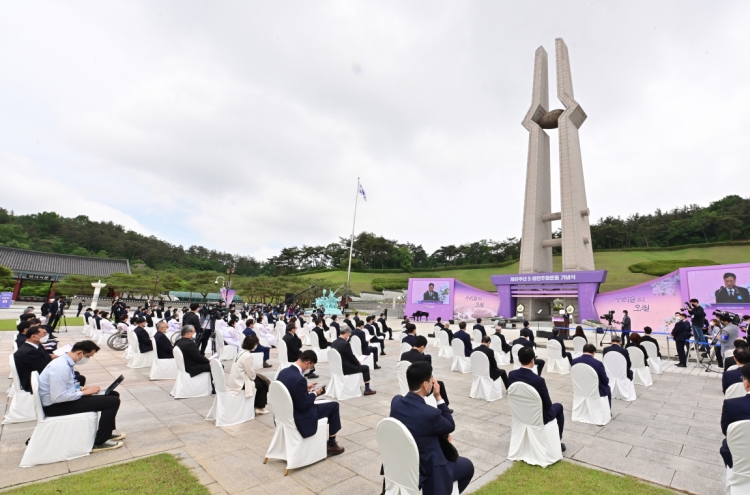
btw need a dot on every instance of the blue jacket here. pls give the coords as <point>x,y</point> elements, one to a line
<point>730,378</point>
<point>525,375</point>
<point>601,372</point>
<point>305,416</point>
<point>737,409</point>
<point>464,337</point>
<point>248,332</point>
<point>426,424</point>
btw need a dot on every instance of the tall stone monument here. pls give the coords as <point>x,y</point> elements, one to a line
<point>537,241</point>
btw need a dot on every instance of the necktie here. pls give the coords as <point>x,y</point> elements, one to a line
<point>731,292</point>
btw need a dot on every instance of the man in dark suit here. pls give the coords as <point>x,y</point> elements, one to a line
<point>565,353</point>
<point>144,341</point>
<point>411,334</point>
<point>503,343</point>
<point>680,334</point>
<point>318,329</point>
<point>529,344</point>
<point>54,313</point>
<point>447,329</point>
<point>294,347</point>
<point>168,314</point>
<point>731,293</point>
<point>373,334</point>
<point>729,378</point>
<point>417,355</point>
<point>87,315</point>
<point>617,347</point>
<point>526,332</point>
<point>729,361</point>
<point>80,308</point>
<point>250,330</point>
<point>367,350</point>
<point>431,295</point>
<point>625,327</point>
<point>464,337</point>
<point>356,318</point>
<point>149,318</point>
<point>192,318</point>
<point>589,351</point>
<point>31,356</point>
<point>495,372</point>
<point>427,426</point>
<point>480,327</point>
<point>195,361</point>
<point>349,362</point>
<point>524,374</point>
<point>349,323</point>
<point>646,337</point>
<point>385,328</point>
<point>163,345</point>
<point>335,324</point>
<point>735,410</point>
<point>306,411</point>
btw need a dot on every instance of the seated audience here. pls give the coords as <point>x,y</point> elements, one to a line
<point>588,357</point>
<point>646,337</point>
<point>318,329</point>
<point>428,426</point>
<point>580,333</point>
<point>107,326</point>
<point>306,411</point>
<point>384,327</point>
<point>61,396</point>
<point>495,372</point>
<point>635,341</point>
<point>524,341</point>
<point>195,361</point>
<point>729,361</point>
<point>465,338</point>
<point>504,346</point>
<point>265,331</point>
<point>411,334</point>
<point>480,327</point>
<point>144,339</point>
<point>447,328</point>
<point>526,332</point>
<point>565,353</point>
<point>31,356</point>
<point>335,324</point>
<point>291,356</point>
<point>617,347</point>
<point>524,374</point>
<point>122,324</point>
<point>729,378</point>
<point>373,335</point>
<point>349,362</point>
<point>242,376</point>
<point>416,355</point>
<point>293,345</point>
<point>163,344</point>
<point>737,409</point>
<point>366,349</point>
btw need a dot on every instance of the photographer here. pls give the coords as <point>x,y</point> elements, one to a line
<point>698,317</point>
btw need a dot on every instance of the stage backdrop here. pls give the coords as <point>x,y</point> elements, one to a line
<point>449,299</point>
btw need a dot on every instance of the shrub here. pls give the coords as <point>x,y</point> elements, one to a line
<point>380,284</point>
<point>658,268</point>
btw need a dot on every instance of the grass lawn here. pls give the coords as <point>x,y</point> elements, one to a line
<point>566,478</point>
<point>161,474</point>
<point>11,324</point>
<point>615,262</point>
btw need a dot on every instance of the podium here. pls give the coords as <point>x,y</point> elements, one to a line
<point>563,323</point>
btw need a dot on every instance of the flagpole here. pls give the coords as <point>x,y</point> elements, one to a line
<point>351,247</point>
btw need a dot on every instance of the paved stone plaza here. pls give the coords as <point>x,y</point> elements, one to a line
<point>669,436</point>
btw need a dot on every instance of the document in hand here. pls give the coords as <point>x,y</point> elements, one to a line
<point>62,350</point>
<point>362,359</point>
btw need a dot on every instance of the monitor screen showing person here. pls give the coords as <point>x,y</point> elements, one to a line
<point>720,285</point>
<point>431,291</point>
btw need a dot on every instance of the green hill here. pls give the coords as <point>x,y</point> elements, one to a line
<point>615,262</point>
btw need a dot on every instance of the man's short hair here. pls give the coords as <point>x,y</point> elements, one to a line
<point>186,329</point>
<point>525,323</point>
<point>34,330</point>
<point>194,306</point>
<point>360,323</point>
<point>694,300</point>
<point>730,274</point>
<point>290,327</point>
<point>555,331</point>
<point>647,330</point>
<point>741,355</point>
<point>589,349</point>
<point>308,356</point>
<point>479,320</point>
<point>26,316</point>
<point>616,338</point>
<point>334,317</point>
<point>462,325</point>
<point>418,373</point>
<point>86,346</point>
<point>249,322</point>
<point>525,355</point>
<point>431,285</point>
<point>410,327</point>
<point>726,318</point>
<point>741,343</point>
<point>746,372</point>
<point>625,311</point>
<point>420,341</point>
<point>486,339</point>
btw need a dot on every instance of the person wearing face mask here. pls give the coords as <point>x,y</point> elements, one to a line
<point>61,395</point>
<point>31,355</point>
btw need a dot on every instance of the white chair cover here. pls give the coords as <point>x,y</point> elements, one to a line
<point>357,350</point>
<point>578,343</point>
<point>444,347</point>
<point>304,333</point>
<point>186,386</point>
<point>59,438</point>
<point>617,372</point>
<point>140,360</point>
<point>280,330</point>
<point>321,353</point>
<point>556,363</point>
<point>405,347</point>
<point>86,328</point>
<point>641,373</point>
<point>531,440</point>
<point>588,406</point>
<point>502,358</point>
<point>516,362</point>
<point>282,356</point>
<point>287,444</point>
<point>735,390</point>
<point>738,441</point>
<point>461,363</point>
<point>477,335</point>
<point>341,386</point>
<point>226,352</point>
<point>402,335</point>
<point>22,405</point>
<point>132,341</point>
<point>229,408</point>
<point>400,459</point>
<point>162,369</point>
<point>654,361</point>
<point>403,385</point>
<point>483,386</point>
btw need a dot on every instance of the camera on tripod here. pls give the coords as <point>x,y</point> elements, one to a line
<point>609,316</point>
<point>733,317</point>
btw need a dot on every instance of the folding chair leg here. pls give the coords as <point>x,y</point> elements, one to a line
<point>286,472</point>
<point>265,460</point>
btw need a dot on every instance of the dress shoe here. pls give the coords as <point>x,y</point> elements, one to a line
<point>382,353</point>
<point>335,449</point>
<point>370,392</point>
<point>266,365</point>
<point>562,446</point>
<point>312,375</point>
<point>681,366</point>
<point>377,366</point>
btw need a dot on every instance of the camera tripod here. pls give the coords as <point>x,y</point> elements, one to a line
<point>609,329</point>
<point>710,355</point>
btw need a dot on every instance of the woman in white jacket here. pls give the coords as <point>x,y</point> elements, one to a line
<point>107,326</point>
<point>243,377</point>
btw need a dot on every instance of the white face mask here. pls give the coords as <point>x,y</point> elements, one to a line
<point>44,339</point>
<point>83,360</point>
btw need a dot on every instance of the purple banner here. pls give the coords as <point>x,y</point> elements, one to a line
<point>471,303</point>
<point>227,294</point>
<point>547,278</point>
<point>6,299</point>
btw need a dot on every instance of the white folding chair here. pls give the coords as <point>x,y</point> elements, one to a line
<point>229,408</point>
<point>58,438</point>
<point>400,458</point>
<point>287,443</point>
<point>531,440</point>
<point>502,358</point>
<point>617,372</point>
<point>405,347</point>
<point>283,357</point>
<point>483,386</point>
<point>654,361</point>
<point>162,369</point>
<point>403,385</point>
<point>86,328</point>
<point>404,334</point>
<point>357,350</point>
<point>588,406</point>
<point>132,343</point>
<point>187,386</point>
<point>461,363</point>
<point>226,352</point>
<point>641,373</point>
<point>22,405</point>
<point>140,360</point>
<point>444,347</point>
<point>738,441</point>
<point>477,338</point>
<point>578,343</point>
<point>735,390</point>
<point>516,362</point>
<point>556,363</point>
<point>321,353</point>
<point>341,386</point>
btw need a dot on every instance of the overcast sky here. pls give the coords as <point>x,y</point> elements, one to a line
<point>244,126</point>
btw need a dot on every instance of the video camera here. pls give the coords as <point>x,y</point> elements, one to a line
<point>609,316</point>
<point>733,317</point>
<point>214,312</point>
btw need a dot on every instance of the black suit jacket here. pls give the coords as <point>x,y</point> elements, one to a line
<point>322,340</point>
<point>293,346</point>
<point>191,318</point>
<point>523,342</point>
<point>527,376</point>
<point>503,343</point>
<point>20,339</point>
<point>366,349</point>
<point>450,334</point>
<point>414,356</point>
<point>648,338</point>
<point>601,372</point>
<point>480,328</point>
<point>409,339</point>
<point>303,402</point>
<point>464,337</point>
<point>494,370</point>
<point>621,350</point>
<point>383,326</point>
<point>741,295</point>
<point>163,346</point>
<point>335,325</point>
<point>144,341</point>
<point>729,378</point>
<point>349,323</point>
<point>737,409</point>
<point>528,333</point>
<point>349,362</point>
<point>28,359</point>
<point>195,361</point>
<point>430,296</point>
<point>681,331</point>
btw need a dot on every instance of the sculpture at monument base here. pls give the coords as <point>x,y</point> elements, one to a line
<point>329,303</point>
